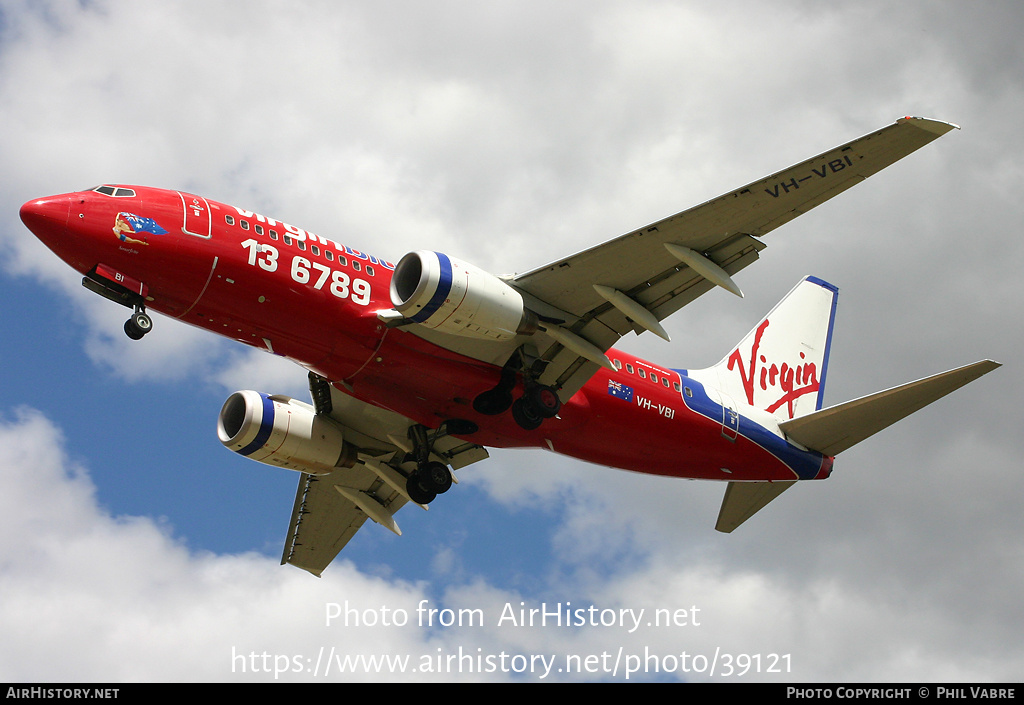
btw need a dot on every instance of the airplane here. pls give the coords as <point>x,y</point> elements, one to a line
<point>416,368</point>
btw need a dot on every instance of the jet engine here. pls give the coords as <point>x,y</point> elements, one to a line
<point>280,431</point>
<point>439,292</point>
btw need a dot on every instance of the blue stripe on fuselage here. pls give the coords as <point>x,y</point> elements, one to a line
<point>806,464</point>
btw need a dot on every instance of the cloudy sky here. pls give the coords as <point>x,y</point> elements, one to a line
<point>134,547</point>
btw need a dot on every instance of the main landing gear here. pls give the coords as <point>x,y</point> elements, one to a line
<point>114,286</point>
<point>537,403</point>
<point>431,478</point>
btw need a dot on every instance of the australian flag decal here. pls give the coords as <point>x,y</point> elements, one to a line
<point>139,224</point>
<point>620,390</point>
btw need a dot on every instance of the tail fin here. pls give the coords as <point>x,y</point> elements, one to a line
<point>780,365</point>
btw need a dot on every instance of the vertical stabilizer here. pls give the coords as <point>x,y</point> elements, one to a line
<point>780,365</point>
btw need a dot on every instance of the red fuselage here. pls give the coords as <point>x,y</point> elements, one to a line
<point>276,287</point>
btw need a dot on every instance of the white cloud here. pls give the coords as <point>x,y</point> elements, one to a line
<point>90,596</point>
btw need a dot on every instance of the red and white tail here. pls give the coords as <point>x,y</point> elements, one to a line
<point>780,365</point>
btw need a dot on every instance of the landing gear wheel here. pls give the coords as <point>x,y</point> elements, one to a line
<point>525,415</point>
<point>416,493</point>
<point>138,325</point>
<point>435,477</point>
<point>543,400</point>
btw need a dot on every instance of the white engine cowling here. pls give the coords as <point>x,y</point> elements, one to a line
<point>448,295</point>
<point>281,431</point>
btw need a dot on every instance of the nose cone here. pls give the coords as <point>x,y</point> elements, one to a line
<point>47,217</point>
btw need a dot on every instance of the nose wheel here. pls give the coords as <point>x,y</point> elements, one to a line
<point>138,325</point>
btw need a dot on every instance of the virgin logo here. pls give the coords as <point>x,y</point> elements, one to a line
<point>789,382</point>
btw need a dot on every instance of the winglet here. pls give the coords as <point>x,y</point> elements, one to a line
<point>936,126</point>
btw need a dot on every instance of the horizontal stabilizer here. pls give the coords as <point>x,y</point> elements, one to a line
<point>833,430</point>
<point>744,499</point>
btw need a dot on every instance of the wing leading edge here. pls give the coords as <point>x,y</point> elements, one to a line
<point>646,266</point>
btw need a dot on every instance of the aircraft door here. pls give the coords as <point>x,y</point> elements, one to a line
<point>196,215</point>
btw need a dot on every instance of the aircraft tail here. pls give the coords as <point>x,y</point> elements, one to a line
<point>780,365</point>
<point>837,428</point>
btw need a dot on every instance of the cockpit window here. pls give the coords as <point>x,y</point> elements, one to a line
<point>115,192</point>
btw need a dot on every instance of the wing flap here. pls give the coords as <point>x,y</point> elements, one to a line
<point>323,521</point>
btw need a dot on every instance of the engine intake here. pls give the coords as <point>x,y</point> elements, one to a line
<point>283,432</point>
<point>455,297</point>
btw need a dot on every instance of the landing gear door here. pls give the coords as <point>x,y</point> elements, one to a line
<point>197,215</point>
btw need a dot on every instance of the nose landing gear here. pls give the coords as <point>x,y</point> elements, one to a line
<point>121,289</point>
<point>138,324</point>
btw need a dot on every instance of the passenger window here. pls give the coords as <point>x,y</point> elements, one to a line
<point>230,220</point>
<point>629,368</point>
<point>369,270</point>
<point>640,371</point>
<point>244,224</point>
<point>330,255</point>
<point>315,250</point>
<point>273,234</point>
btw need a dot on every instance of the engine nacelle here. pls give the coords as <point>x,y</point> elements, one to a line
<point>281,431</point>
<point>447,295</point>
